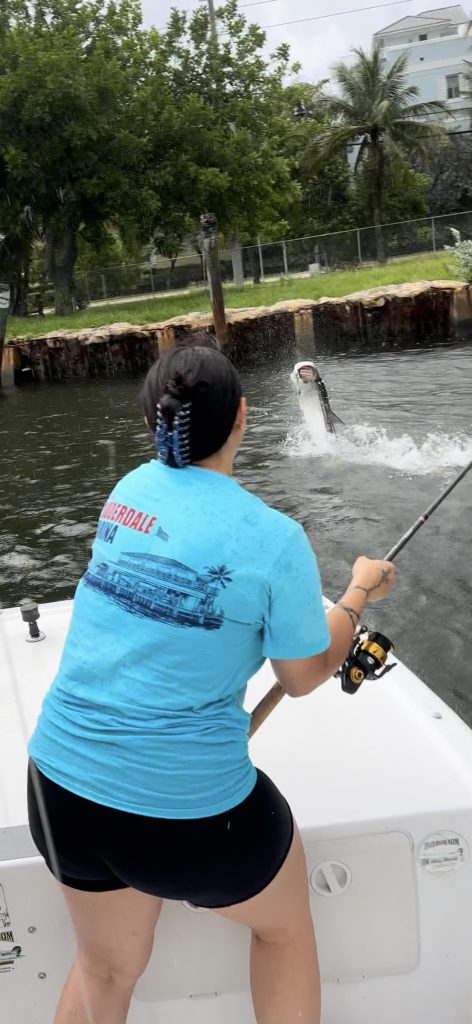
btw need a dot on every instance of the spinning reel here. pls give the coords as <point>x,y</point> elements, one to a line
<point>369,649</point>
<point>366,659</point>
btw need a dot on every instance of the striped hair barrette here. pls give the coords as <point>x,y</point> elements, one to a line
<point>175,440</point>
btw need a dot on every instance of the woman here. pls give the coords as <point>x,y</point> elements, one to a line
<point>140,752</point>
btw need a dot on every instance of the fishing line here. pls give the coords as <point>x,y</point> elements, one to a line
<point>368,654</point>
<point>369,649</point>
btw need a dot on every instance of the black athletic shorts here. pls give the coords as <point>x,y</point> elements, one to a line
<point>209,862</point>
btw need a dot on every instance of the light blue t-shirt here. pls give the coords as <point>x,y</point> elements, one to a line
<point>192,583</point>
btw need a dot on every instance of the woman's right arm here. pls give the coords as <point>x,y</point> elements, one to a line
<point>371,580</point>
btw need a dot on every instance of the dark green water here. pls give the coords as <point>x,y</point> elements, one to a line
<point>409,430</point>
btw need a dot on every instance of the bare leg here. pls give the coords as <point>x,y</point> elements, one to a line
<point>101,983</point>
<point>285,978</point>
<point>89,999</point>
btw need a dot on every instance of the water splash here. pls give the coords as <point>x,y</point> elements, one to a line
<point>364,444</point>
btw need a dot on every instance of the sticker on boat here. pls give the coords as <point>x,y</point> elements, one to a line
<point>444,851</point>
<point>9,954</point>
<point>5,922</point>
<point>9,950</point>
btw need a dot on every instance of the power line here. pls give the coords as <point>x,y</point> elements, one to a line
<point>334,14</point>
<point>319,17</point>
<point>260,3</point>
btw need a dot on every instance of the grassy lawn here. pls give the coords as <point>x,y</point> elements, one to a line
<point>426,268</point>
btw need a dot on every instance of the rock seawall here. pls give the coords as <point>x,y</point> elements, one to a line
<point>385,318</point>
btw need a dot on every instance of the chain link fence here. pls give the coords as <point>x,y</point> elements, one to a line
<point>149,278</point>
<point>311,255</point>
<point>341,250</point>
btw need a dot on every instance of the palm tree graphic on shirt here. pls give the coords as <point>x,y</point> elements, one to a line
<point>220,574</point>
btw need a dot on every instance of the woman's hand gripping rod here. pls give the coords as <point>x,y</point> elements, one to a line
<point>273,697</point>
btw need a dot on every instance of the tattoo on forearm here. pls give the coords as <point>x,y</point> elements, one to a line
<point>383,578</point>
<point>357,586</point>
<point>353,615</point>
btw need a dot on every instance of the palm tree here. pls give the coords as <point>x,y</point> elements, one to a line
<point>220,574</point>
<point>375,110</point>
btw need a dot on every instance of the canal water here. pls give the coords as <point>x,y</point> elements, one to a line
<point>408,431</point>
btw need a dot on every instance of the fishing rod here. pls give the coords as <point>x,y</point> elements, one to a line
<point>426,515</point>
<point>370,649</point>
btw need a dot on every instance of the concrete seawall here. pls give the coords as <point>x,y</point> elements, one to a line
<point>385,318</point>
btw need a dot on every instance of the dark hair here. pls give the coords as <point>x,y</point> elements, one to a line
<point>206,380</point>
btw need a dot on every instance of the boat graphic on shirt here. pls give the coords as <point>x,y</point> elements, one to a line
<point>154,587</point>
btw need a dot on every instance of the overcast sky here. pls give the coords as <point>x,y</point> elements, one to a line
<point>316,44</point>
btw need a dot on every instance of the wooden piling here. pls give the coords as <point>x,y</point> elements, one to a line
<point>4,307</point>
<point>11,366</point>
<point>210,249</point>
<point>304,333</point>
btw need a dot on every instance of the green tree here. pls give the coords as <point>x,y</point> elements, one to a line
<point>447,165</point>
<point>17,226</point>
<point>323,200</point>
<point>169,236</point>
<point>16,246</point>
<point>108,247</point>
<point>375,107</point>
<point>217,145</point>
<point>103,123</point>
<point>72,132</point>
<point>405,194</point>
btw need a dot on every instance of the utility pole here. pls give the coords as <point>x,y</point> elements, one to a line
<point>210,250</point>
<point>211,11</point>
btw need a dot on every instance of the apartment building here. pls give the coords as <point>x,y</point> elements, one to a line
<point>438,45</point>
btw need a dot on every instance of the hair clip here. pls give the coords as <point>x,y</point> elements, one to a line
<point>163,438</point>
<point>177,439</point>
<point>180,436</point>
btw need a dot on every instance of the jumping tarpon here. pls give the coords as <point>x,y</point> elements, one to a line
<point>313,399</point>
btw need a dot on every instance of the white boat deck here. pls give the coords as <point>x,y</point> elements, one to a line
<point>381,786</point>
